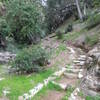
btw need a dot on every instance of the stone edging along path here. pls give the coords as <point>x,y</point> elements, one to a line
<point>36,89</point>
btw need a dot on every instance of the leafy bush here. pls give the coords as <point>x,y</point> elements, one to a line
<point>96,3</point>
<point>93,98</point>
<point>4,31</point>
<point>4,28</point>
<point>93,21</point>
<point>69,28</point>
<point>25,19</point>
<point>30,60</point>
<point>92,40</point>
<point>59,34</point>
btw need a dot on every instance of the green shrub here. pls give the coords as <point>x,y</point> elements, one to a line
<point>59,34</point>
<point>69,28</point>
<point>31,59</point>
<point>96,3</point>
<point>25,19</point>
<point>69,91</point>
<point>92,40</point>
<point>4,28</point>
<point>93,98</point>
<point>4,31</point>
<point>93,21</point>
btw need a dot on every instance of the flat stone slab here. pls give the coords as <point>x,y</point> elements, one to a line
<point>76,71</point>
<point>70,75</point>
<point>61,85</point>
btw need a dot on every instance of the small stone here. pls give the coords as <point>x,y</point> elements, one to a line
<point>75,93</point>
<point>77,89</point>
<point>71,50</point>
<point>26,96</point>
<point>70,75</point>
<point>2,79</point>
<point>20,98</point>
<point>80,76</point>
<point>73,97</point>
<point>5,92</point>
<point>63,86</point>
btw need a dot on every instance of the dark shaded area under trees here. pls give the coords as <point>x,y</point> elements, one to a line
<point>27,21</point>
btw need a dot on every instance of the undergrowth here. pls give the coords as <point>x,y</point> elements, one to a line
<point>68,93</point>
<point>18,85</point>
<point>45,91</point>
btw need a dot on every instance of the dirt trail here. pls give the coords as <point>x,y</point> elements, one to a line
<point>54,95</point>
<point>64,58</point>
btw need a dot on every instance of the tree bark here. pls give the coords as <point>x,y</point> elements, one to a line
<point>79,10</point>
<point>85,10</point>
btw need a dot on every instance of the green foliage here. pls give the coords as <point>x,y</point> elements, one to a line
<point>69,28</point>
<point>59,34</point>
<point>60,49</point>
<point>44,91</point>
<point>31,59</point>
<point>52,86</point>
<point>72,36</point>
<point>93,98</point>
<point>57,12</point>
<point>92,40</point>
<point>20,84</point>
<point>69,91</point>
<point>93,21</point>
<point>25,20</point>
<point>4,31</point>
<point>96,3</point>
<point>4,28</point>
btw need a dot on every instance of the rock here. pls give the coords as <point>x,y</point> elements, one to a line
<point>80,75</point>
<point>35,90</point>
<point>81,59</point>
<point>6,56</point>
<point>62,86</point>
<point>70,75</point>
<point>99,61</point>
<point>76,71</point>
<point>5,92</point>
<point>2,79</point>
<point>20,98</point>
<point>26,96</point>
<point>72,97</point>
<point>83,56</point>
<point>90,85</point>
<point>71,50</point>
<point>89,92</point>
<point>59,73</point>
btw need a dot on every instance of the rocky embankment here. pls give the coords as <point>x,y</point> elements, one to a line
<point>5,57</point>
<point>90,84</point>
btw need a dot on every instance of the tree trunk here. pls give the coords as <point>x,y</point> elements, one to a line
<point>85,10</point>
<point>79,10</point>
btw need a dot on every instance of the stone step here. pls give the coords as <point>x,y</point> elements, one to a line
<point>62,86</point>
<point>77,61</point>
<point>79,64</point>
<point>80,75</point>
<point>80,59</point>
<point>82,56</point>
<point>71,75</point>
<point>76,71</point>
<point>89,92</point>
